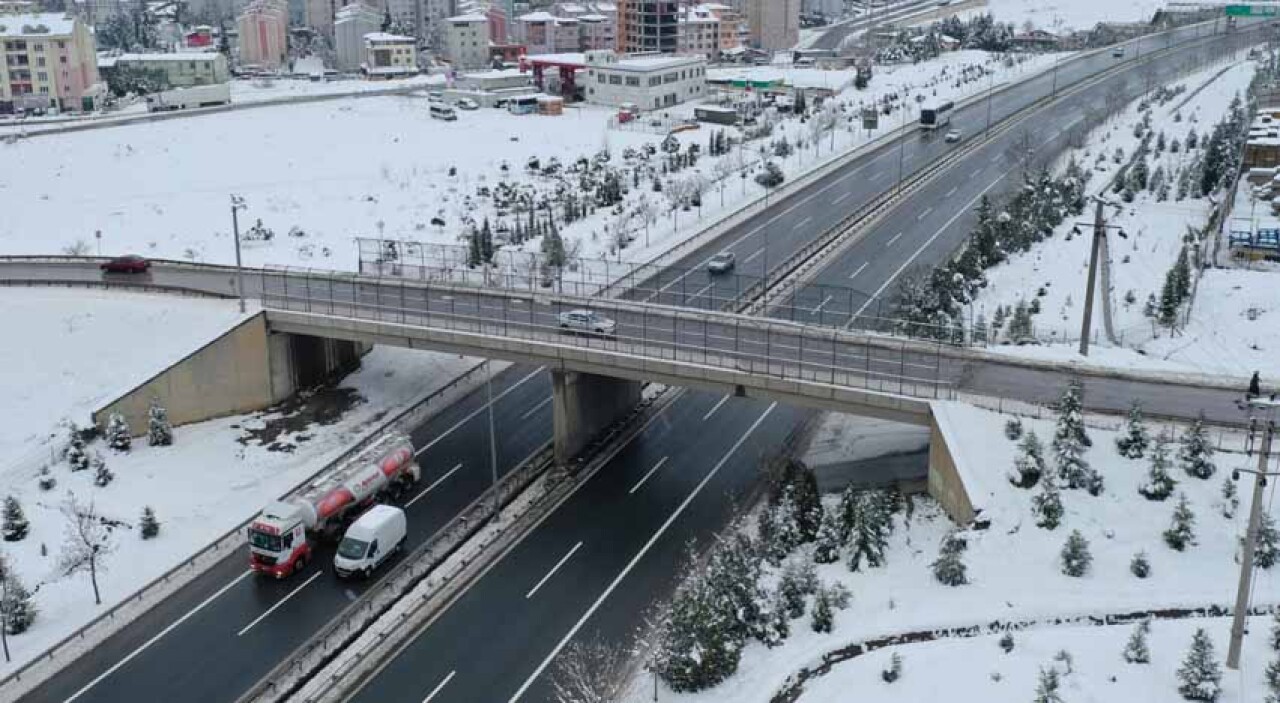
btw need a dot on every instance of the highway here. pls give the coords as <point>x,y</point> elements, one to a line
<point>229,662</point>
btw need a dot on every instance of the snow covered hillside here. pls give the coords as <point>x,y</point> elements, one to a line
<point>319,175</point>
<point>1061,15</point>
<point>236,464</point>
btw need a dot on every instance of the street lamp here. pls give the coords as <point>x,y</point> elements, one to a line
<point>493,446</point>
<point>991,87</point>
<point>1251,533</point>
<point>238,204</point>
<point>1099,235</point>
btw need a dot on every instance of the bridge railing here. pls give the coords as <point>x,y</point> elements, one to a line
<point>737,343</point>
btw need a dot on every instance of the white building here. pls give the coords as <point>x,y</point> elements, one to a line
<point>651,82</point>
<point>353,22</point>
<point>775,24</point>
<point>389,55</point>
<point>466,41</point>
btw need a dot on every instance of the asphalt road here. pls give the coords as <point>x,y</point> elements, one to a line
<point>833,37</point>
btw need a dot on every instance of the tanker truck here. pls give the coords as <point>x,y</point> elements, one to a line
<point>280,537</point>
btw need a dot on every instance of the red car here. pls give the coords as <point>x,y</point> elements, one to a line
<point>131,263</point>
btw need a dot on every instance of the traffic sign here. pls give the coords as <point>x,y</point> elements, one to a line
<point>1253,10</point>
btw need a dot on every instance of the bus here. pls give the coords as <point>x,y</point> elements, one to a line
<point>936,116</point>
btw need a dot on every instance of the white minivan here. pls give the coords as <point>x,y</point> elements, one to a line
<point>378,534</point>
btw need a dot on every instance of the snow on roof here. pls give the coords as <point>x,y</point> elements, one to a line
<point>593,17</point>
<point>606,7</point>
<point>189,56</point>
<point>385,38</point>
<point>539,16</point>
<point>572,7</point>
<point>579,59</point>
<point>496,73</point>
<point>35,24</point>
<point>472,17</point>
<point>649,63</point>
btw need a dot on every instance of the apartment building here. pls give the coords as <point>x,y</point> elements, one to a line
<point>466,41</point>
<point>543,33</point>
<point>262,26</point>
<point>648,25</point>
<point>49,61</point>
<point>699,32</point>
<point>389,55</point>
<point>351,25</point>
<point>775,24</point>
<point>651,82</point>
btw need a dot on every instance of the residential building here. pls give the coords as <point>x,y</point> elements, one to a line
<point>466,41</point>
<point>321,15</point>
<point>651,81</point>
<point>596,32</point>
<point>389,55</point>
<point>775,24</point>
<point>50,60</point>
<point>499,28</point>
<point>353,22</point>
<point>647,26</point>
<point>262,26</point>
<point>181,70</point>
<point>730,23</point>
<point>543,33</point>
<point>699,31</point>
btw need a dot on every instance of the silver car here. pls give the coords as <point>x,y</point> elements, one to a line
<point>721,263</point>
<point>587,321</point>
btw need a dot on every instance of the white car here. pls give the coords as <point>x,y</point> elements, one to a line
<point>467,104</point>
<point>953,136</point>
<point>721,263</point>
<point>587,321</point>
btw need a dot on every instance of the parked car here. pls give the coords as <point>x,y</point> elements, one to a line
<point>587,321</point>
<point>378,534</point>
<point>722,262</point>
<point>953,136</point>
<point>1118,52</point>
<point>129,263</point>
<point>467,104</point>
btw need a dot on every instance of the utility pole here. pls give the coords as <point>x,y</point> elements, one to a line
<point>493,443</point>
<point>1250,539</point>
<point>1099,234</point>
<point>991,87</point>
<point>237,204</point>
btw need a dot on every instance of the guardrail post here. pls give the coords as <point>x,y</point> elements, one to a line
<point>402,305</point>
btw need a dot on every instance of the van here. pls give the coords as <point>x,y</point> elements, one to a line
<point>441,111</point>
<point>378,534</point>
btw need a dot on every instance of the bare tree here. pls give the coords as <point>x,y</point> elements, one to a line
<point>590,673</point>
<point>87,542</point>
<point>1021,152</point>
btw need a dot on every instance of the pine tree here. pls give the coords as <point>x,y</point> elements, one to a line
<point>1046,506</point>
<point>1140,566</point>
<point>799,579</point>
<point>118,434</point>
<point>869,533</point>
<point>777,529</point>
<point>1006,642</point>
<point>806,500</point>
<point>1071,417</point>
<point>1013,429</point>
<point>776,621</point>
<point>1159,484</point>
<point>1272,677</point>
<point>101,474</point>
<point>1135,651</point>
<point>15,526</point>
<point>829,542</point>
<point>822,617</point>
<point>894,672</point>
<point>1028,466</point>
<point>1047,688</point>
<point>76,456</point>
<point>159,431</point>
<point>1230,498</point>
<point>46,480</point>
<point>1266,547</point>
<point>1075,555</point>
<point>949,567</point>
<point>1167,310</point>
<point>148,526</point>
<point>1181,532</point>
<point>1275,632</point>
<point>1200,676</point>
<point>1073,470</point>
<point>1134,442</point>
<point>17,605</point>
<point>1196,453</point>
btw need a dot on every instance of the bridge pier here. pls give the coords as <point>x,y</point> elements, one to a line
<point>584,405</point>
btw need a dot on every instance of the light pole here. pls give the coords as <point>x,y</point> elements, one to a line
<point>493,445</point>
<point>902,145</point>
<point>1053,92</point>
<point>237,204</point>
<point>1251,534</point>
<point>97,234</point>
<point>991,87</point>
<point>1099,233</point>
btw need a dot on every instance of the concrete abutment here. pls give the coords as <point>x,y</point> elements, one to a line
<point>586,404</point>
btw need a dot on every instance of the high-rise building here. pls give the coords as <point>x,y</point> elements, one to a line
<point>466,41</point>
<point>775,24</point>
<point>262,26</point>
<point>320,14</point>
<point>354,21</point>
<point>49,61</point>
<point>648,26</point>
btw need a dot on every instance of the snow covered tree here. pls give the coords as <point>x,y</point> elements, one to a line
<point>118,434</point>
<point>1135,650</point>
<point>159,431</point>
<point>1071,416</point>
<point>87,543</point>
<point>827,548</point>
<point>148,526</point>
<point>799,579</point>
<point>46,481</point>
<point>592,672</point>
<point>15,526</point>
<point>822,617</point>
<point>775,621</point>
<point>868,533</point>
<point>1013,428</point>
<point>1047,687</point>
<point>1073,470</point>
<point>1140,566</point>
<point>1028,466</point>
<point>1267,545</point>
<point>1275,632</point>
<point>76,456</point>
<point>1075,555</point>
<point>894,672</point>
<point>1230,498</point>
<point>1046,506</point>
<point>1196,453</point>
<point>1159,484</point>
<point>803,485</point>
<point>949,567</point>
<point>1135,440</point>
<point>101,474</point>
<point>1200,676</point>
<point>1272,678</point>
<point>771,176</point>
<point>1006,642</point>
<point>17,606</point>
<point>1181,533</point>
<point>777,530</point>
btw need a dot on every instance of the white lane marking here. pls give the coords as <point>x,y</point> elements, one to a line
<point>878,176</point>
<point>702,290</point>
<point>651,472</point>
<point>435,691</point>
<point>840,199</point>
<point>802,223</point>
<point>528,413</point>
<point>821,305</point>
<point>433,485</point>
<point>573,631</point>
<point>952,191</point>
<point>924,213</point>
<point>749,258</point>
<point>911,259</point>
<point>861,268</point>
<point>281,602</point>
<point>713,410</point>
<point>128,658</point>
<point>894,239</point>
<point>975,173</point>
<point>553,570</point>
<point>479,410</point>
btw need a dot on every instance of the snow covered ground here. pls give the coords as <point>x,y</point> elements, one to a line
<point>1064,15</point>
<point>978,669</point>
<point>238,462</point>
<point>333,171</point>
<point>1220,337</point>
<point>1014,572</point>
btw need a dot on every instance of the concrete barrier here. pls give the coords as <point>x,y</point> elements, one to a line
<point>950,480</point>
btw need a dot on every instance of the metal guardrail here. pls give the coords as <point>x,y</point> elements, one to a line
<point>23,679</point>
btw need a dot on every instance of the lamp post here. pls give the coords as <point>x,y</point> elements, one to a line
<point>991,87</point>
<point>493,444</point>
<point>1251,533</point>
<point>238,204</point>
<point>1099,233</point>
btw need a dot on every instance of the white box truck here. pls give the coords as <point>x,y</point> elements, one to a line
<point>378,534</point>
<point>186,98</point>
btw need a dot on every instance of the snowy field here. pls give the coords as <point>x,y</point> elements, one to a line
<point>228,458</point>
<point>1065,15</point>
<point>1219,337</point>
<point>978,669</point>
<point>319,175</point>
<point>1014,574</point>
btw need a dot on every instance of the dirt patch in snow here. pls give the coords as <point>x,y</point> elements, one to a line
<point>283,427</point>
